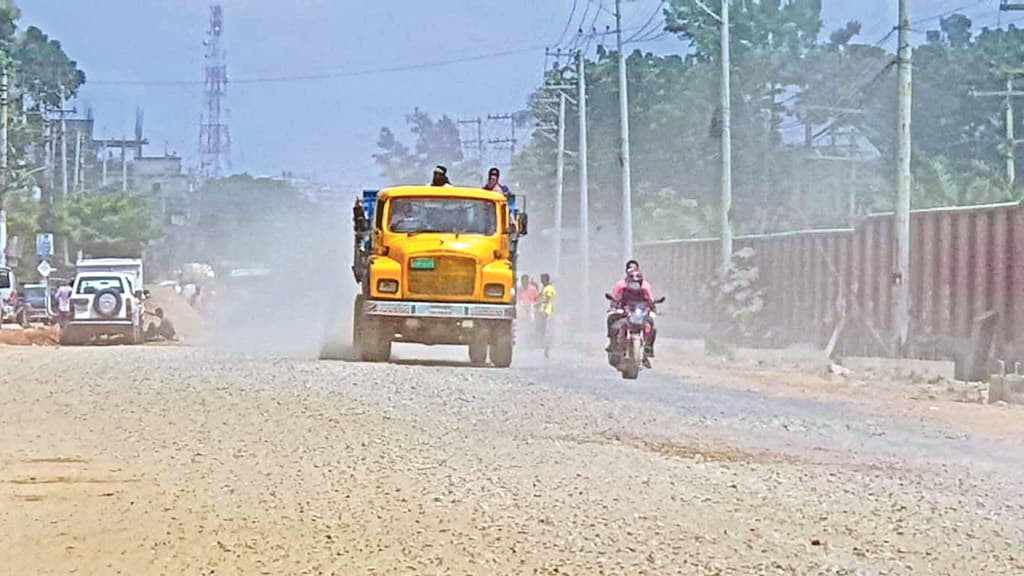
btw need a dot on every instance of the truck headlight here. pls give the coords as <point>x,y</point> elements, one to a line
<point>494,290</point>
<point>387,286</point>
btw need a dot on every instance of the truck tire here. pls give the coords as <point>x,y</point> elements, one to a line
<point>357,319</point>
<point>502,345</point>
<point>373,344</point>
<point>67,337</point>
<point>631,364</point>
<point>478,352</point>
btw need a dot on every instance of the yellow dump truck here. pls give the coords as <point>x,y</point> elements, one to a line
<point>436,266</point>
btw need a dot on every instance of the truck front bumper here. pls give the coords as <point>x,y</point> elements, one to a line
<point>439,310</point>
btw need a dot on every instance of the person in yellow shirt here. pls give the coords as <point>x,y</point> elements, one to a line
<point>547,309</point>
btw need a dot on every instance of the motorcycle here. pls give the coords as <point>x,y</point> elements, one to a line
<point>628,353</point>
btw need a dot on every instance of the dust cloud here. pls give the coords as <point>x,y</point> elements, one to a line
<point>306,294</point>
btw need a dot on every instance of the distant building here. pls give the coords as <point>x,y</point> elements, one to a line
<point>162,179</point>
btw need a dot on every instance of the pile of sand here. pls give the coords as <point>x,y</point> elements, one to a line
<point>36,336</point>
<point>189,324</point>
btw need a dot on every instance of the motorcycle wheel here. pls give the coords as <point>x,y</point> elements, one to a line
<point>631,363</point>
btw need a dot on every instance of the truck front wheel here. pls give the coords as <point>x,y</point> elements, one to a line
<point>478,352</point>
<point>501,345</point>
<point>373,343</point>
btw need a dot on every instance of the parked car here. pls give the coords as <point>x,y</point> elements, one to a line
<point>31,305</point>
<point>105,304</point>
<point>7,294</point>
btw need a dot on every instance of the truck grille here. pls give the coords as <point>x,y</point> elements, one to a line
<point>451,276</point>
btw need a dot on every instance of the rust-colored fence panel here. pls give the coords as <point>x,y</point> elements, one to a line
<point>964,262</point>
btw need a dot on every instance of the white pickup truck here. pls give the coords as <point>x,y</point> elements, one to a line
<point>7,286</point>
<point>107,300</point>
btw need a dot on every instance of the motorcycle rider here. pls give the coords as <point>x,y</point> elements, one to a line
<point>631,290</point>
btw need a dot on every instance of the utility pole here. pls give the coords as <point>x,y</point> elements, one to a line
<point>543,129</point>
<point>627,193</point>
<point>106,156</point>
<point>726,106</point>
<point>1011,142</point>
<point>63,146</point>
<point>478,142</point>
<point>511,140</point>
<point>560,185</point>
<point>124,168</point>
<point>901,278</point>
<point>78,161</point>
<point>581,95</point>
<point>3,159</point>
<point>1011,168</point>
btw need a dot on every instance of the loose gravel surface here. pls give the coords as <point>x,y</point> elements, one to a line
<point>173,460</point>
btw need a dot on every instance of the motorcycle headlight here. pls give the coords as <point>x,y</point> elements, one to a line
<point>494,290</point>
<point>387,286</point>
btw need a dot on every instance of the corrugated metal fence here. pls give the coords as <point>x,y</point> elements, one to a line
<point>965,262</point>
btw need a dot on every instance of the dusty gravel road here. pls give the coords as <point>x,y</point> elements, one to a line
<point>167,460</point>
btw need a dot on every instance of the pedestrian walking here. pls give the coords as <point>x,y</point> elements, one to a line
<point>63,298</point>
<point>547,310</point>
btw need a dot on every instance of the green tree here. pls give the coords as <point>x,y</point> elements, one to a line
<point>108,224</point>
<point>435,142</point>
<point>238,210</point>
<point>44,72</point>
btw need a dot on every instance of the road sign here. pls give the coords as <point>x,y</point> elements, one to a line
<point>44,269</point>
<point>44,245</point>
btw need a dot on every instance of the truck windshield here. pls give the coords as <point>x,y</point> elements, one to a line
<point>94,285</point>
<point>458,215</point>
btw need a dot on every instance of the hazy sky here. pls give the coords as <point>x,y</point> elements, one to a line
<point>327,128</point>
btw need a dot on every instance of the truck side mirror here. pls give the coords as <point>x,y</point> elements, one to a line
<point>522,223</point>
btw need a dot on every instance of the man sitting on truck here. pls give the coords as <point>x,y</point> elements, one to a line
<point>493,182</point>
<point>440,176</point>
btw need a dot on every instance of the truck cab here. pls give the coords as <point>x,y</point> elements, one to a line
<point>436,266</point>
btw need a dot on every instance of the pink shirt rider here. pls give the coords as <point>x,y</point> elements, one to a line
<point>623,295</point>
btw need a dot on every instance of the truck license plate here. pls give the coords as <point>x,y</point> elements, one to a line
<point>422,264</point>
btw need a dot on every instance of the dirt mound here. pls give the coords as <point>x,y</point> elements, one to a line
<point>189,324</point>
<point>42,336</point>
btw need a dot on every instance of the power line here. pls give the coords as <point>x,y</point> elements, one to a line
<point>568,23</point>
<point>947,13</point>
<point>650,20</point>
<point>330,75</point>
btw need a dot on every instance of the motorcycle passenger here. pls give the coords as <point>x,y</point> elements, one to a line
<point>631,290</point>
